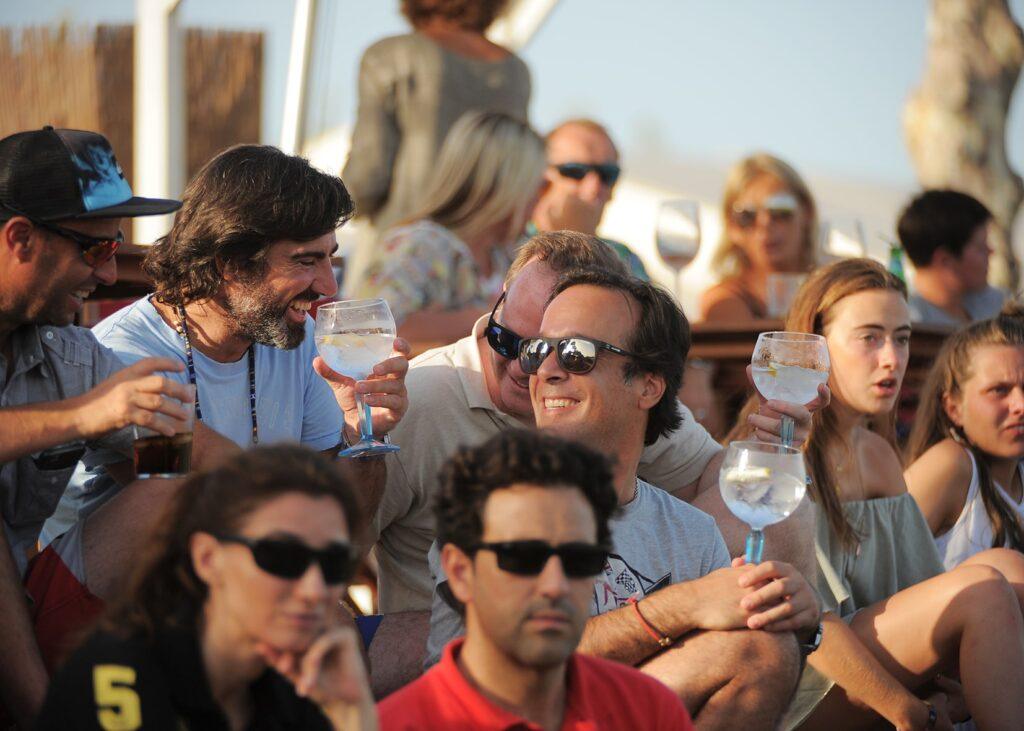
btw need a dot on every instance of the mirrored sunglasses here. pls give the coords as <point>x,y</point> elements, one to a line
<point>780,207</point>
<point>528,558</point>
<point>96,251</point>
<point>607,172</point>
<point>575,355</point>
<point>289,559</point>
<point>503,341</point>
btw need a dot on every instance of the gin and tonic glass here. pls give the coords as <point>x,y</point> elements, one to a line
<point>789,366</point>
<point>761,484</point>
<point>352,336</point>
<point>678,236</point>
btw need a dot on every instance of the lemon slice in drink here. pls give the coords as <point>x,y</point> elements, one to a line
<point>747,475</point>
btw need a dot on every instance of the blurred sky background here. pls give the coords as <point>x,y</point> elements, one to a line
<point>685,87</point>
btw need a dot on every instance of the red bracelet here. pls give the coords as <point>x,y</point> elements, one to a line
<point>663,640</point>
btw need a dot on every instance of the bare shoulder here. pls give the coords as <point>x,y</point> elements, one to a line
<point>945,464</point>
<point>722,303</point>
<point>880,465</point>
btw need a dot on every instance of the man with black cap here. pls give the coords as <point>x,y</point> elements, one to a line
<point>62,198</point>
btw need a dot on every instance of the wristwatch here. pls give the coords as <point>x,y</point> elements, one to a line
<point>808,647</point>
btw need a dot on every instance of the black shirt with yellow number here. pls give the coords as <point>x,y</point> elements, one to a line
<point>117,684</point>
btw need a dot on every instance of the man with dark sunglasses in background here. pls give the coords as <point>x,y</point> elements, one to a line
<point>62,199</point>
<point>583,167</point>
<point>604,373</point>
<point>524,520</point>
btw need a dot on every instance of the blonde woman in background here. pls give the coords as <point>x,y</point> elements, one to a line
<point>769,226</point>
<point>444,268</point>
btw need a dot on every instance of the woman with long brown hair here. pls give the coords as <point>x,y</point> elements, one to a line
<point>898,624</point>
<point>233,621</point>
<point>967,445</point>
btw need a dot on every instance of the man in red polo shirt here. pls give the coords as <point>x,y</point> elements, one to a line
<point>523,521</point>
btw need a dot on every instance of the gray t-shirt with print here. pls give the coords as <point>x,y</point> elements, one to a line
<point>657,540</point>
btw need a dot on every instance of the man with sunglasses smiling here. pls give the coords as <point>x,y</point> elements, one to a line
<point>583,167</point>
<point>604,374</point>
<point>524,520</point>
<point>62,199</point>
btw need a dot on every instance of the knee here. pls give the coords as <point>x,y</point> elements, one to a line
<point>983,592</point>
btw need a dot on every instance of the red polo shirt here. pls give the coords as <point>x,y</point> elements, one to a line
<point>601,696</point>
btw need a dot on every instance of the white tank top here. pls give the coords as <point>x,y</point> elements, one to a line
<point>972,532</point>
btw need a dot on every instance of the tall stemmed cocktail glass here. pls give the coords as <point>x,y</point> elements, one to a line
<point>353,336</point>
<point>761,484</point>
<point>789,367</point>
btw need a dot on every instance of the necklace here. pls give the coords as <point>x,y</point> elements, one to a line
<point>182,327</point>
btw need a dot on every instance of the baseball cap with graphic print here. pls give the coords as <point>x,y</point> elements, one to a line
<point>56,174</point>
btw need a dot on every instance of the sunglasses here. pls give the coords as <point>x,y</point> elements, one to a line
<point>528,558</point>
<point>96,251</point>
<point>289,559</point>
<point>503,341</point>
<point>607,172</point>
<point>781,207</point>
<point>575,355</point>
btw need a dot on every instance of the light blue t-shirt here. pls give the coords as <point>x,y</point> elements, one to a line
<point>293,403</point>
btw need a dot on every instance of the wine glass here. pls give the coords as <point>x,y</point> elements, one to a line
<point>678,235</point>
<point>761,484</point>
<point>352,336</point>
<point>789,366</point>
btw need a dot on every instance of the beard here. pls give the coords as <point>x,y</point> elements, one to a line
<point>259,317</point>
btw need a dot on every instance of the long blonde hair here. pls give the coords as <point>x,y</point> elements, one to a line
<point>729,258</point>
<point>812,312</point>
<point>932,424</point>
<point>488,170</point>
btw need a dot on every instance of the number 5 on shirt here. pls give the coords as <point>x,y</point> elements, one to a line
<point>118,707</point>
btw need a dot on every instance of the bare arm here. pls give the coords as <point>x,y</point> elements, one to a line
<point>23,678</point>
<point>939,480</point>
<point>771,596</point>
<point>843,658</point>
<point>134,395</point>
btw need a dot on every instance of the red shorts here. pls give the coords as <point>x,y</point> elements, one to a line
<point>62,607</point>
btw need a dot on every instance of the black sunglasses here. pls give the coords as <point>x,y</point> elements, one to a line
<point>575,355</point>
<point>528,558</point>
<point>95,250</point>
<point>608,172</point>
<point>289,559</point>
<point>503,341</point>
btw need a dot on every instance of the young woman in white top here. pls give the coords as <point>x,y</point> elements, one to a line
<point>967,445</point>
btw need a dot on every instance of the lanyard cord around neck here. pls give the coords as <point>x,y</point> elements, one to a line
<point>182,328</point>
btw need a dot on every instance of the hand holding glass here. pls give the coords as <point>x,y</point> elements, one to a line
<point>789,366</point>
<point>761,485</point>
<point>352,337</point>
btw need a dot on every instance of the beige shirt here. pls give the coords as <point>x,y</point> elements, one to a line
<point>449,407</point>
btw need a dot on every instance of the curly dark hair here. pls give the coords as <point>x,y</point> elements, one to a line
<point>514,457</point>
<point>237,205</point>
<point>166,590</point>
<point>468,14</point>
<point>660,342</point>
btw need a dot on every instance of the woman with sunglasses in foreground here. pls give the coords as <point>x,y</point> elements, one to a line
<point>899,628</point>
<point>967,446</point>
<point>233,622</point>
